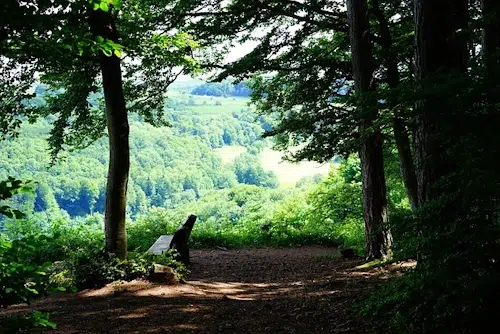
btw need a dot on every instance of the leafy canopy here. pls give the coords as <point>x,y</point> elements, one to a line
<point>52,42</point>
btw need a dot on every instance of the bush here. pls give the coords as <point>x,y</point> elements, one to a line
<point>96,267</point>
<point>23,275</point>
<point>250,216</point>
<point>73,253</point>
<point>27,322</point>
<point>22,279</point>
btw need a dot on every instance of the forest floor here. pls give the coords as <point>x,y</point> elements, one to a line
<point>284,290</point>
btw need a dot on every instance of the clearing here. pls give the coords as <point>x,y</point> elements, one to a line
<point>288,173</point>
<point>299,290</point>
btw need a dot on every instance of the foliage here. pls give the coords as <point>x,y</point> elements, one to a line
<point>9,188</point>
<point>74,256</point>
<point>94,267</point>
<point>169,166</point>
<point>300,68</point>
<point>302,87</point>
<point>302,74</point>
<point>248,171</point>
<point>244,215</point>
<point>66,50</point>
<point>23,275</point>
<point>325,213</point>
<point>27,322</point>
<point>23,278</point>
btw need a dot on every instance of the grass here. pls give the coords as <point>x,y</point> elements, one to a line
<point>328,256</point>
<point>372,264</point>
<point>229,153</point>
<point>207,105</point>
<point>288,173</point>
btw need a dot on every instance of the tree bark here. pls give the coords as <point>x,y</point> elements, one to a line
<point>378,235</point>
<point>102,24</point>
<point>439,50</point>
<point>491,30</point>
<point>399,128</point>
<point>407,166</point>
<point>491,51</point>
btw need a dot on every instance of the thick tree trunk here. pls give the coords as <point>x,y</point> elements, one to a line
<point>491,30</point>
<point>118,130</point>
<point>439,50</point>
<point>491,51</point>
<point>378,235</point>
<point>400,132</point>
<point>119,157</point>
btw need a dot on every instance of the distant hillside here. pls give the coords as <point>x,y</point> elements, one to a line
<point>225,88</point>
<point>171,166</point>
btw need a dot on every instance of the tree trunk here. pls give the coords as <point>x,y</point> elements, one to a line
<point>378,235</point>
<point>406,161</point>
<point>491,30</point>
<point>400,133</point>
<point>491,51</point>
<point>439,50</point>
<point>102,24</point>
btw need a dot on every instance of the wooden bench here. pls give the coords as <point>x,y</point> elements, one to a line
<point>178,241</point>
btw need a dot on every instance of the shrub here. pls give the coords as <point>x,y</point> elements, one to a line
<point>26,322</point>
<point>22,279</point>
<point>23,275</point>
<point>74,256</point>
<point>92,266</point>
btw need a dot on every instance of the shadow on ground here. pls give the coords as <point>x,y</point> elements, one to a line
<point>304,290</point>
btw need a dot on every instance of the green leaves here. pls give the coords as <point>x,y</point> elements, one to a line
<point>27,322</point>
<point>12,186</point>
<point>108,47</point>
<point>105,5</point>
<point>9,188</point>
<point>22,277</point>
<point>11,213</point>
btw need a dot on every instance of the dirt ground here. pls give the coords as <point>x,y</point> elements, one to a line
<point>296,290</point>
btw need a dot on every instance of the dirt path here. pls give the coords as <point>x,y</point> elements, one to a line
<point>302,290</point>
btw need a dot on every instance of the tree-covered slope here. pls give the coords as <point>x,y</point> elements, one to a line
<point>169,165</point>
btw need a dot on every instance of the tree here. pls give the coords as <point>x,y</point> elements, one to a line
<point>70,47</point>
<point>309,93</point>
<point>440,50</point>
<point>491,30</point>
<point>393,76</point>
<point>312,69</point>
<point>490,45</point>
<point>103,26</point>
<point>378,235</point>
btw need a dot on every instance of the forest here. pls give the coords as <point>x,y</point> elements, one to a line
<point>120,118</point>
